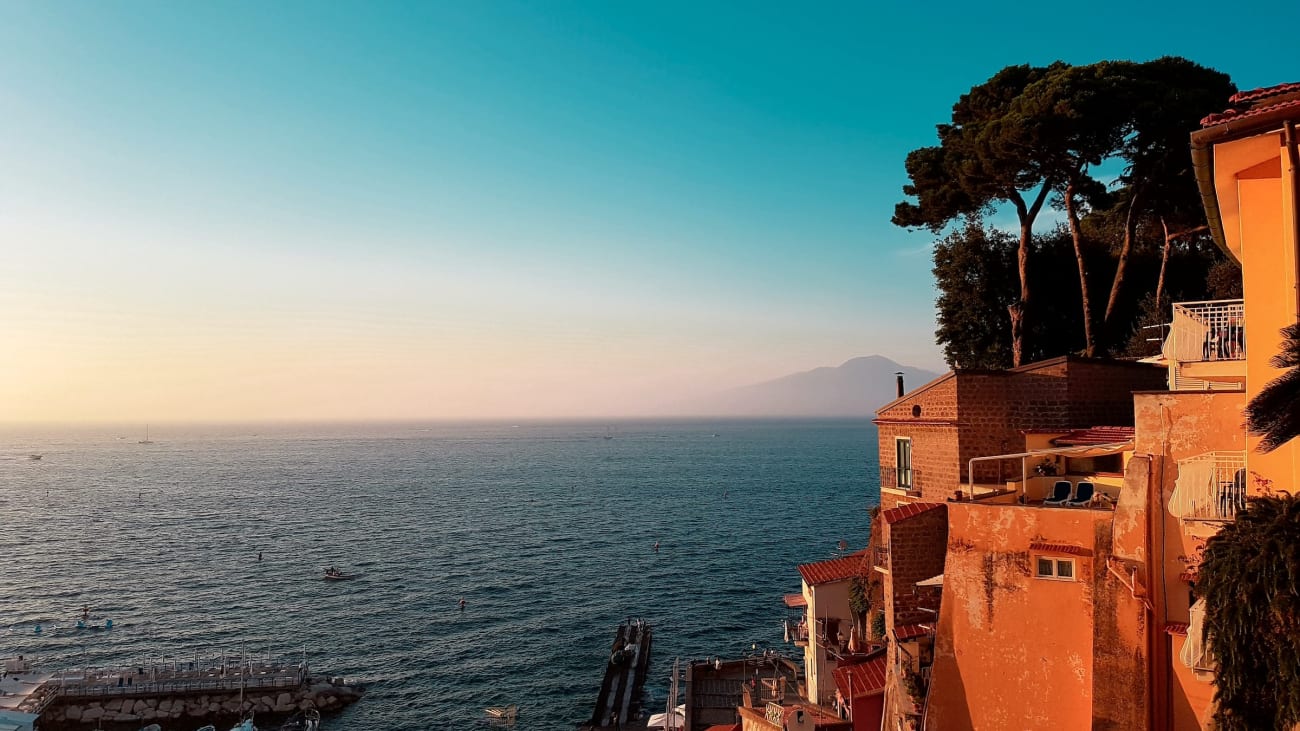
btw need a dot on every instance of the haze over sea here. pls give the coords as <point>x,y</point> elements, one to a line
<point>546,529</point>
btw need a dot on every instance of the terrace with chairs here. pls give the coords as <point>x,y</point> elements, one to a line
<point>1206,348</point>
<point>1083,468</point>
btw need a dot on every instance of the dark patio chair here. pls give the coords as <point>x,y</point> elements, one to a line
<point>1083,493</point>
<point>1060,493</point>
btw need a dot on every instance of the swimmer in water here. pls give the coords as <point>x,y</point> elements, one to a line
<point>656,546</point>
<point>461,604</point>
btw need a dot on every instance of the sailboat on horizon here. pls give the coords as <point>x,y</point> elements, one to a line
<point>146,439</point>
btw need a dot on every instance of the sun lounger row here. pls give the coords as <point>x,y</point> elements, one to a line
<point>1071,495</point>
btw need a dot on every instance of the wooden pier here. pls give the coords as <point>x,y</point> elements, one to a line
<point>618,706</point>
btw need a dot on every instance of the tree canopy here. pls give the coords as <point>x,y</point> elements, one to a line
<point>1035,135</point>
<point>1250,579</point>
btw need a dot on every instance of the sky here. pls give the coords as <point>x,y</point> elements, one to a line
<point>253,211</point>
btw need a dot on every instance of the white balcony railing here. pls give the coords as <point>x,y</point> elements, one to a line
<point>1209,331</point>
<point>1210,486</point>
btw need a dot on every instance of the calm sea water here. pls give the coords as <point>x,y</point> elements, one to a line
<point>546,530</point>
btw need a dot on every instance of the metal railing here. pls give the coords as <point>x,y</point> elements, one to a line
<point>880,557</point>
<point>1208,331</point>
<point>909,479</point>
<point>1210,486</point>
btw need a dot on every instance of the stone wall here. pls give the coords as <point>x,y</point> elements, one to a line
<point>319,694</point>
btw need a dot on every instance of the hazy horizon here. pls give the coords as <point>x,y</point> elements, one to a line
<point>241,211</point>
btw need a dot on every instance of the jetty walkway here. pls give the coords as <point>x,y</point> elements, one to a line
<point>227,686</point>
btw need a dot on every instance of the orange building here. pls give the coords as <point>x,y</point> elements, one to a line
<point>1081,613</point>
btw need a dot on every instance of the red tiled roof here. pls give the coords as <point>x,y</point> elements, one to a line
<point>1176,628</point>
<point>907,510</point>
<point>1095,435</point>
<point>1263,92</point>
<point>1060,548</point>
<point>1255,102</point>
<point>867,677</point>
<point>836,569</point>
<point>794,601</point>
<point>910,631</point>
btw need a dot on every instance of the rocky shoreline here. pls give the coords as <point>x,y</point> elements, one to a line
<point>322,694</point>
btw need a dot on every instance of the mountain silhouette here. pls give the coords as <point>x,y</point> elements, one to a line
<point>856,388</point>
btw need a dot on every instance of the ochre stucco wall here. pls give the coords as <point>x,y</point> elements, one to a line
<point>1014,651</point>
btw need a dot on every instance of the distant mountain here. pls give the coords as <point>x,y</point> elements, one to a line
<point>856,388</point>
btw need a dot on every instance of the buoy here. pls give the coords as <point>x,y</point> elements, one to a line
<point>38,629</point>
<point>108,624</point>
<point>81,624</point>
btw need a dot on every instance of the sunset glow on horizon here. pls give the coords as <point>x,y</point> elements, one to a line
<point>240,211</point>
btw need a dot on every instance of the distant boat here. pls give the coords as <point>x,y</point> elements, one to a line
<point>146,439</point>
<point>502,713</point>
<point>35,456</point>
<point>333,574</point>
<point>609,432</point>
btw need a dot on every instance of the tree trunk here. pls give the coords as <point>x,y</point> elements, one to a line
<point>1164,263</point>
<point>1164,255</point>
<point>1017,309</point>
<point>1090,345</point>
<point>1130,228</point>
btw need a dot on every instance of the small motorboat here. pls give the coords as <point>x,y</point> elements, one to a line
<point>502,713</point>
<point>333,574</point>
<point>308,720</point>
<point>35,456</point>
<point>244,725</point>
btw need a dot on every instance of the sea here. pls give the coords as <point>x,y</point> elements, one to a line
<point>546,530</point>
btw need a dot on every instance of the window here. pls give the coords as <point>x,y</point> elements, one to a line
<point>903,458</point>
<point>1046,567</point>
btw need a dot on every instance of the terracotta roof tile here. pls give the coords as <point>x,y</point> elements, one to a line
<point>821,716</point>
<point>1255,102</point>
<point>836,569</point>
<point>910,631</point>
<point>1264,92</point>
<point>1095,435</point>
<point>867,677</point>
<point>1060,548</point>
<point>1176,628</point>
<point>907,510</point>
<point>794,601</point>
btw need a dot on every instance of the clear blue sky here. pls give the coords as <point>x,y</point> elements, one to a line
<point>245,210</point>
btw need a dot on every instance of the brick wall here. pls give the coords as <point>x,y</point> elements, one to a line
<point>917,547</point>
<point>1101,394</point>
<point>934,459</point>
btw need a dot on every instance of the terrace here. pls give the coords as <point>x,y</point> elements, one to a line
<point>1211,487</point>
<point>1206,347</point>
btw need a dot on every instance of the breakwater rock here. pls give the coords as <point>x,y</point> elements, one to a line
<point>322,694</point>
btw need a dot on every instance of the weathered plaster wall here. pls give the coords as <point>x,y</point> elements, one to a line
<point>1014,651</point>
<point>1173,427</point>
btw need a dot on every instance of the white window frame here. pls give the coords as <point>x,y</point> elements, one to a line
<point>1056,563</point>
<point>898,467</point>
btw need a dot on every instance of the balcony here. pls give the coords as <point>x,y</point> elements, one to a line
<point>1210,487</point>
<point>1207,345</point>
<point>880,558</point>
<point>906,480</point>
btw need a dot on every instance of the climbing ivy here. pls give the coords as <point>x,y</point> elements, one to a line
<point>859,596</point>
<point>1250,579</point>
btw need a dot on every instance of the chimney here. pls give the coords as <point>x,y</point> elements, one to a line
<point>899,377</point>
